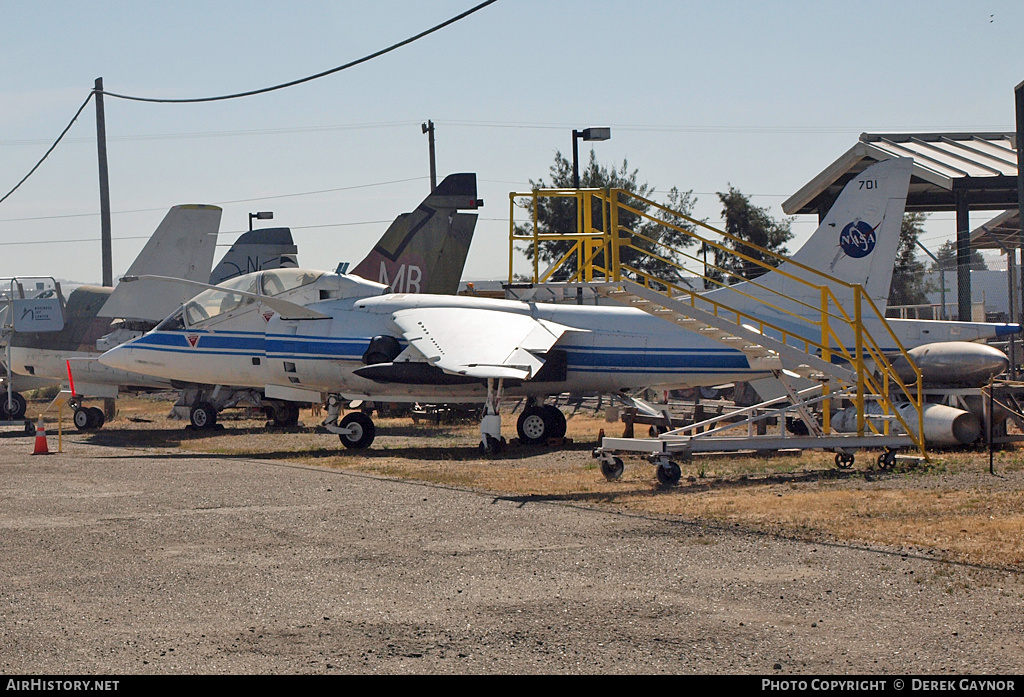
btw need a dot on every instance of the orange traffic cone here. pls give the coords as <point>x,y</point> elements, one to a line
<point>41,448</point>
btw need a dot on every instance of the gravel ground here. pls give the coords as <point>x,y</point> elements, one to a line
<point>135,561</point>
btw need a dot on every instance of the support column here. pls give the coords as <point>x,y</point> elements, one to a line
<point>963,256</point>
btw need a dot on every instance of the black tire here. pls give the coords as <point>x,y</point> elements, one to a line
<point>18,407</point>
<point>532,427</point>
<point>887,460</point>
<point>612,470</point>
<point>286,414</point>
<point>30,428</point>
<point>83,419</point>
<point>494,445</point>
<point>555,420</point>
<point>98,419</point>
<point>844,461</point>
<point>669,474</point>
<point>363,431</point>
<point>203,416</point>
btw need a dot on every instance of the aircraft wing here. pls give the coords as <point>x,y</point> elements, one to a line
<point>479,343</point>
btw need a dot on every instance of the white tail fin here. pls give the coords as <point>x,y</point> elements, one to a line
<point>855,243</point>
<point>181,247</point>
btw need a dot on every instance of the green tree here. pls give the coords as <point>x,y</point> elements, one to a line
<point>751,224</point>
<point>947,258</point>
<point>558,215</point>
<point>908,285</point>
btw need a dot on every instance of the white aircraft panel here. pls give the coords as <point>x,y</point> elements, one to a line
<point>478,342</point>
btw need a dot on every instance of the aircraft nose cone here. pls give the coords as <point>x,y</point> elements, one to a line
<point>119,358</point>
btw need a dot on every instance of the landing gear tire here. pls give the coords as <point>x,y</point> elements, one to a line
<point>613,470</point>
<point>97,417</point>
<point>887,460</point>
<point>30,428</point>
<point>363,431</point>
<point>531,426</point>
<point>18,406</point>
<point>83,419</point>
<point>538,424</point>
<point>494,445</point>
<point>844,461</point>
<point>669,473</point>
<point>203,416</point>
<point>555,420</point>
<point>286,414</point>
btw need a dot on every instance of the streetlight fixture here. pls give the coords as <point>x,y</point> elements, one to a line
<point>428,130</point>
<point>588,134</point>
<point>262,215</point>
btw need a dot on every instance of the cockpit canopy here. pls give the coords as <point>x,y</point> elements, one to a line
<point>218,301</point>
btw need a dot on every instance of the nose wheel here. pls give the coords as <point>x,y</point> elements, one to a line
<point>360,431</point>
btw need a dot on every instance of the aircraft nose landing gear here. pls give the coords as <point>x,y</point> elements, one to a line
<point>356,430</point>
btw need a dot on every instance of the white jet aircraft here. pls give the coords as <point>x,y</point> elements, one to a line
<point>300,334</point>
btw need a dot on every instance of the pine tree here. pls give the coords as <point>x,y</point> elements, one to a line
<point>558,215</point>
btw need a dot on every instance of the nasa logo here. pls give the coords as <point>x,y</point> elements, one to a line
<point>857,239</point>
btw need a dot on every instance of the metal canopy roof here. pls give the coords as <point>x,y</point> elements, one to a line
<point>983,164</point>
<point>1002,232</point>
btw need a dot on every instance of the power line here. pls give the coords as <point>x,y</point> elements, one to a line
<point>224,134</point>
<point>325,73</point>
<point>47,154</point>
<point>218,203</point>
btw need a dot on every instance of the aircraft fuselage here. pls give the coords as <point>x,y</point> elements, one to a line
<point>608,349</point>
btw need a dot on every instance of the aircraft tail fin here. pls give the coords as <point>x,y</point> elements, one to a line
<point>425,251</point>
<point>856,243</point>
<point>182,247</point>
<point>269,248</point>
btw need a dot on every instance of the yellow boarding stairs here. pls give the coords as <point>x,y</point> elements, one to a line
<point>605,259</point>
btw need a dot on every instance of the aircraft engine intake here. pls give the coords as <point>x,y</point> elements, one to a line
<point>382,349</point>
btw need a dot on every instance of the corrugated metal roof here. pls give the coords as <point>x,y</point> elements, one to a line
<point>940,159</point>
<point>1002,232</point>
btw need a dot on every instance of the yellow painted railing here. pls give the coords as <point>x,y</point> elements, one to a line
<point>595,253</point>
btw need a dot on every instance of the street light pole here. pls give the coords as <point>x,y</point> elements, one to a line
<point>588,134</point>
<point>428,128</point>
<point>262,215</point>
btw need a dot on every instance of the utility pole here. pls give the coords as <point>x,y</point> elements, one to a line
<point>101,152</point>
<point>428,128</point>
<point>109,405</point>
<point>1018,93</point>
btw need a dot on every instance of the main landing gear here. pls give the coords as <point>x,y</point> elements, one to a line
<point>539,424</point>
<point>15,411</point>
<point>87,418</point>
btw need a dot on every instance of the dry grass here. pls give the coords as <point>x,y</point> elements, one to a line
<point>950,507</point>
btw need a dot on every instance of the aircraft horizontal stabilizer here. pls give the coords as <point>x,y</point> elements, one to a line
<point>477,342</point>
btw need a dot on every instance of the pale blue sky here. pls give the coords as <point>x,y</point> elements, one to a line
<point>701,95</point>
